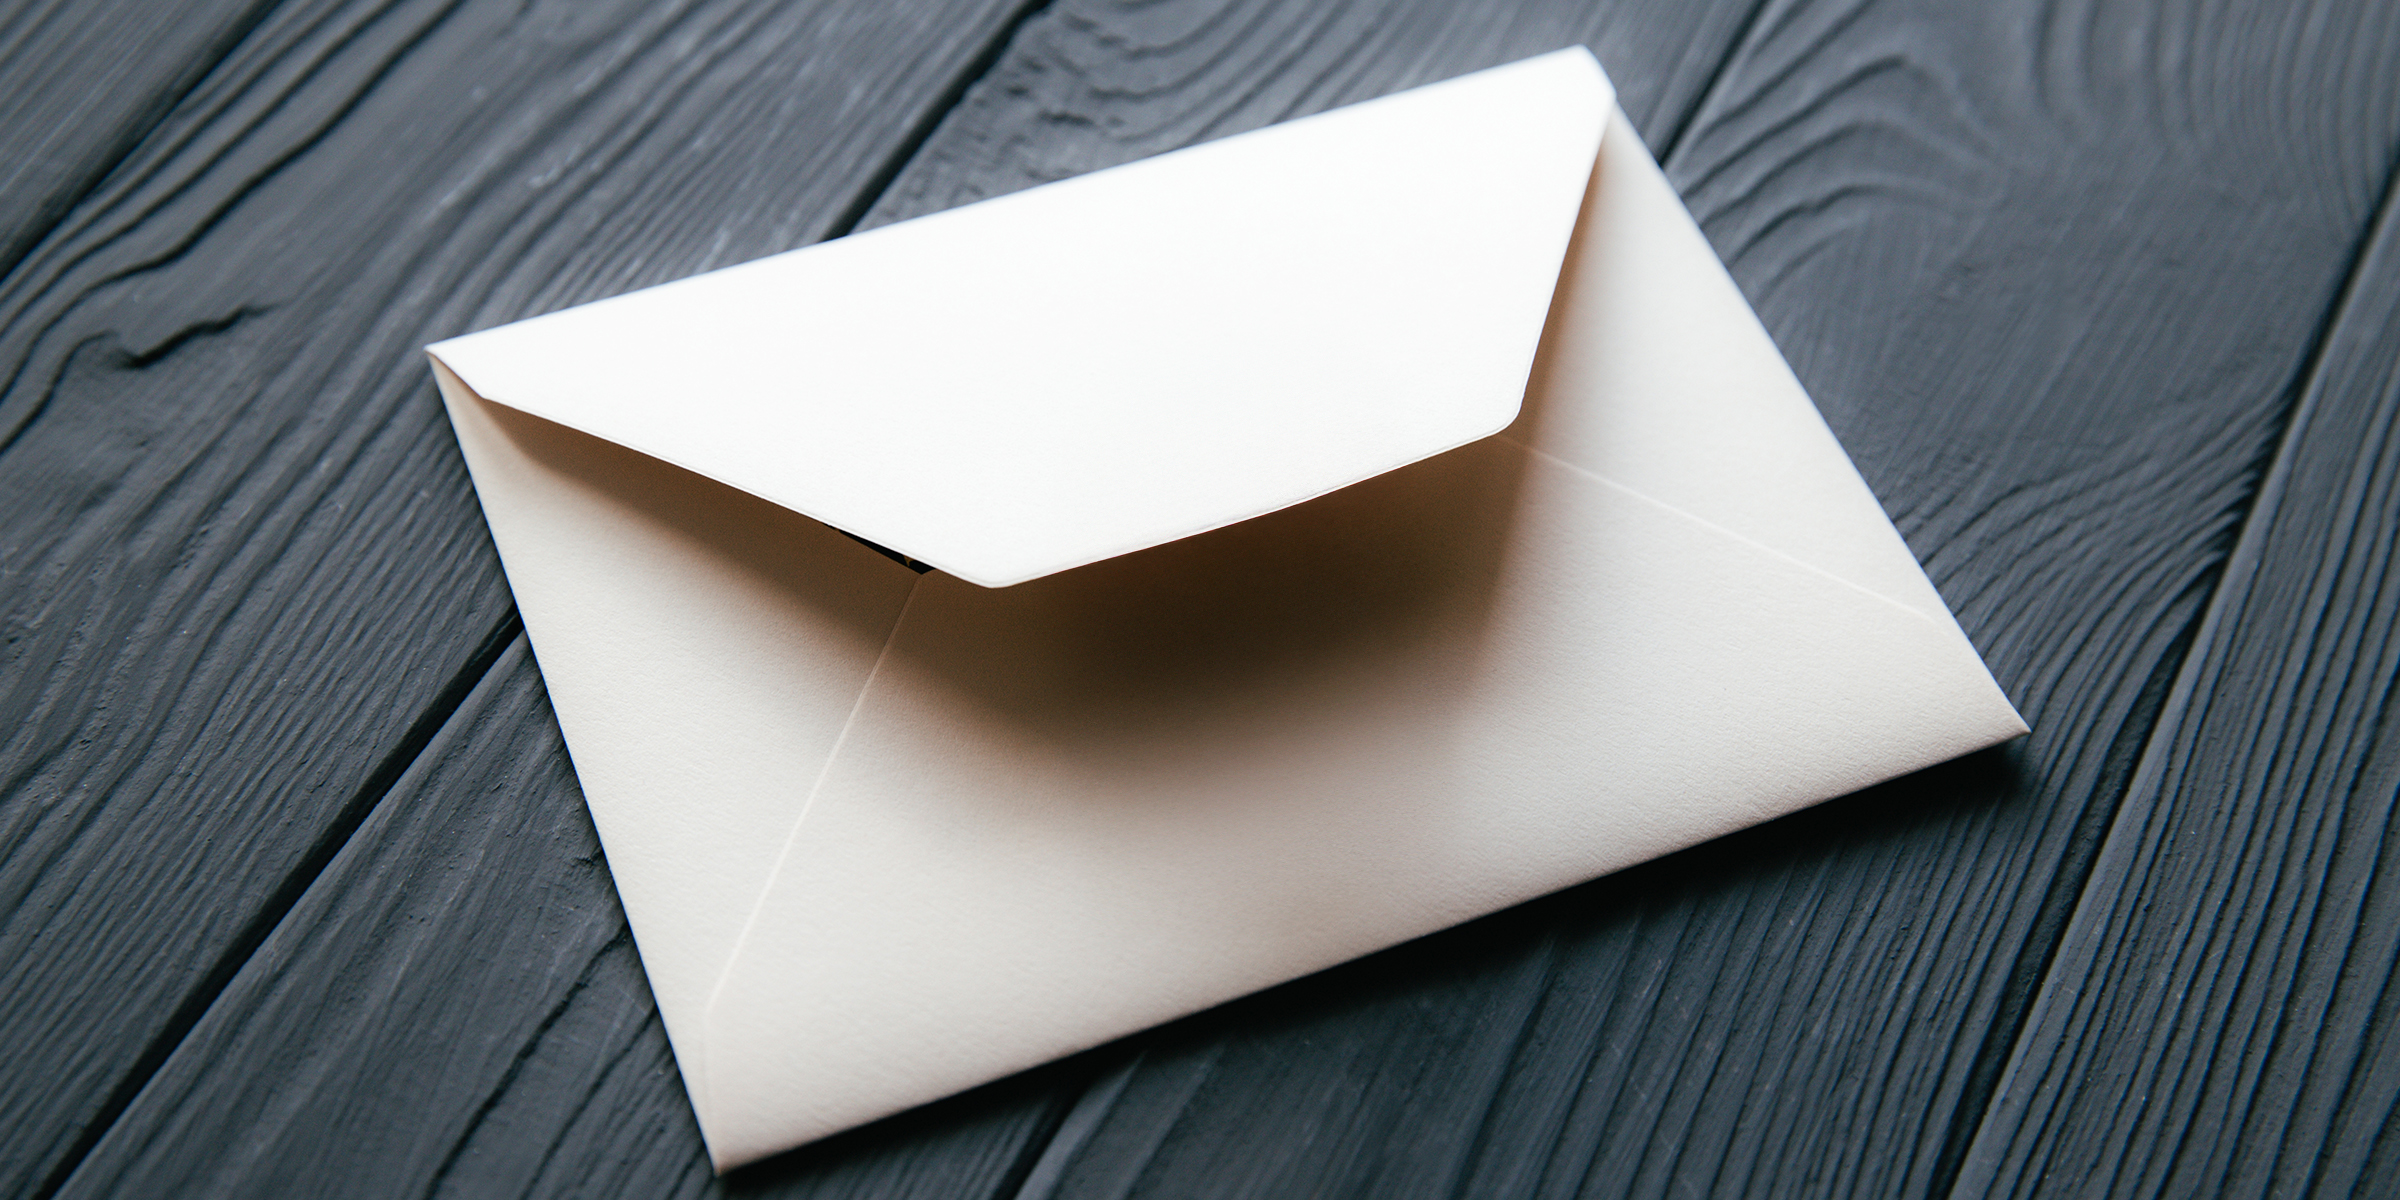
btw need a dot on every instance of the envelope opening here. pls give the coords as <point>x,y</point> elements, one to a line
<point>886,551</point>
<point>1149,646</point>
<point>1324,301</point>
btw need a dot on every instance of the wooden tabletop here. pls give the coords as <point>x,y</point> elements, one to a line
<point>298,896</point>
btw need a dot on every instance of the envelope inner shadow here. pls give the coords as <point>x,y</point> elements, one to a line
<point>1196,635</point>
<point>1149,647</point>
<point>785,554</point>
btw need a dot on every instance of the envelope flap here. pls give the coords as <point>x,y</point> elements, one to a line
<point>1114,361</point>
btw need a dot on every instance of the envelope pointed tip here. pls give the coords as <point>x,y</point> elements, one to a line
<point>722,1161</point>
<point>2017,722</point>
<point>1583,56</point>
<point>727,1148</point>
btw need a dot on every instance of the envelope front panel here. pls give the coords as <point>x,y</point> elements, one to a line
<point>884,837</point>
<point>1084,805</point>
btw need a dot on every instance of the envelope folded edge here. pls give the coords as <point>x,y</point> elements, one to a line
<point>702,650</point>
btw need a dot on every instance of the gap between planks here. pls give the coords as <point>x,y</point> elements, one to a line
<point>2305,394</point>
<point>445,704</point>
<point>2033,965</point>
<point>353,813</point>
<point>120,145</point>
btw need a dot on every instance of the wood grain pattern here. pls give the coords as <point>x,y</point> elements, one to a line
<point>1095,83</point>
<point>243,574</point>
<point>2222,1017</point>
<point>390,1012</point>
<point>81,94</point>
<point>2055,271</point>
<point>2052,271</point>
<point>629,1123</point>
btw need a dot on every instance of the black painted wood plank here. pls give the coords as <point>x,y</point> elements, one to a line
<point>241,571</point>
<point>1095,83</point>
<point>1800,1009</point>
<point>387,1018</point>
<point>2052,272</point>
<point>81,82</point>
<point>2223,1017</point>
<point>589,1101</point>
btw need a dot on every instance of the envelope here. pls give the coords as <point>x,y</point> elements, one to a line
<point>1336,532</point>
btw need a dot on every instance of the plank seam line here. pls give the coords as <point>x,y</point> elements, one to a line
<point>1017,1182</point>
<point>944,103</point>
<point>287,894</point>
<point>137,130</point>
<point>2305,390</point>
<point>1716,77</point>
<point>2031,963</point>
<point>621,940</point>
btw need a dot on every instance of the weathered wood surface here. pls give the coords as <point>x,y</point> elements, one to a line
<point>484,1029</point>
<point>81,94</point>
<point>174,1138</point>
<point>2055,272</point>
<point>242,576</point>
<point>1093,83</point>
<point>2222,1018</point>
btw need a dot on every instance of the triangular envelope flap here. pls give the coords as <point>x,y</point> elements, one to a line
<point>1073,809</point>
<point>1094,366</point>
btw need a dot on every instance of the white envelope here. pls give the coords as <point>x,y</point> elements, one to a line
<point>883,836</point>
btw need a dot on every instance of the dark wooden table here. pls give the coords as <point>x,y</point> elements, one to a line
<point>298,898</point>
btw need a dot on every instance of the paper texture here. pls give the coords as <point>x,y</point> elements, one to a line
<point>883,837</point>
<point>1049,378</point>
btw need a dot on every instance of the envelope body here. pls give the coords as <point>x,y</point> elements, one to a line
<point>883,835</point>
